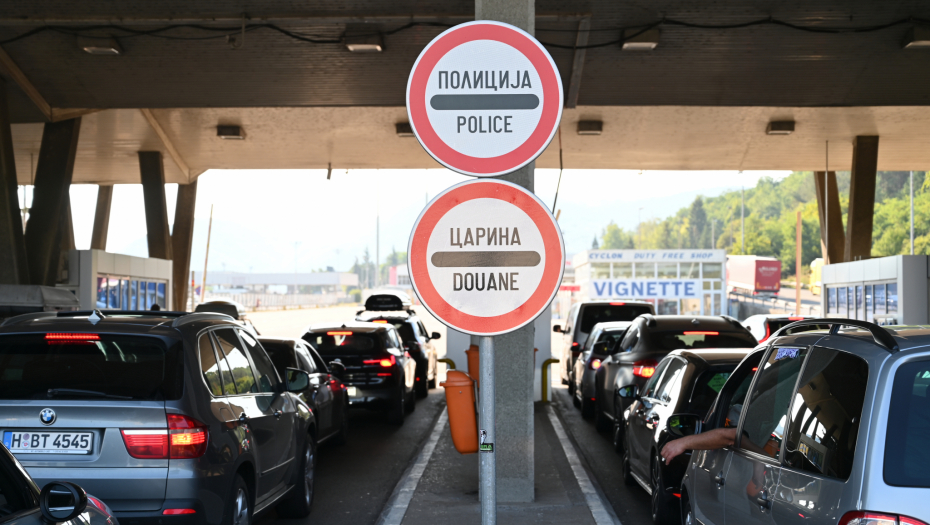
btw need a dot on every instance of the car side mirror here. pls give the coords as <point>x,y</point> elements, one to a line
<point>62,501</point>
<point>337,368</point>
<point>600,347</point>
<point>629,392</point>
<point>681,425</point>
<point>297,380</point>
<point>557,329</point>
<point>435,335</point>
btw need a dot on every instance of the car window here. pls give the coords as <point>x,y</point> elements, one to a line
<point>695,339</point>
<point>630,340</point>
<point>422,329</point>
<point>406,331</point>
<point>209,366</point>
<point>14,495</point>
<point>282,354</point>
<point>769,399</point>
<point>732,396</point>
<point>907,444</point>
<point>267,375</point>
<point>229,386</point>
<point>824,422</point>
<point>238,363</point>
<point>306,361</point>
<point>670,383</point>
<point>611,337</point>
<point>344,342</point>
<point>602,313</point>
<point>394,339</point>
<point>650,387</point>
<point>706,388</point>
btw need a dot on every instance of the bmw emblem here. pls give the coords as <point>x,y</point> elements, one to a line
<point>47,416</point>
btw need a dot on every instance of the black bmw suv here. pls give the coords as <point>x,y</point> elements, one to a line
<point>379,373</point>
<point>169,417</point>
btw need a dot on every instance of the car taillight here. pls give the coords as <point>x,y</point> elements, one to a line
<point>644,368</point>
<point>188,437</point>
<point>768,332</point>
<point>178,512</point>
<point>595,364</point>
<point>858,517</point>
<point>386,362</point>
<point>185,438</point>
<point>701,333</point>
<point>795,318</point>
<point>70,339</point>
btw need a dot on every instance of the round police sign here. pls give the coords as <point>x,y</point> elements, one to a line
<point>486,257</point>
<point>484,98</point>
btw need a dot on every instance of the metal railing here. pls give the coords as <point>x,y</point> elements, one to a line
<point>774,303</point>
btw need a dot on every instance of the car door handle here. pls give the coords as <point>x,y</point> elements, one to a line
<point>764,502</point>
<point>278,413</point>
<point>718,479</point>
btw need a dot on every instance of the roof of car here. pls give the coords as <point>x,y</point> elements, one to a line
<point>113,322</point>
<point>612,325</point>
<point>783,316</point>
<point>394,316</point>
<point>278,340</point>
<point>614,302</point>
<point>715,356</point>
<point>693,322</point>
<point>355,326</point>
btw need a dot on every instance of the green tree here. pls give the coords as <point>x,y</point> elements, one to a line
<point>697,219</point>
<point>614,237</point>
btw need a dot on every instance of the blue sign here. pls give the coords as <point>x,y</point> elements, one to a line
<point>645,288</point>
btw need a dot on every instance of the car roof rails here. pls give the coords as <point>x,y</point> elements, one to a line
<point>188,318</point>
<point>881,336</point>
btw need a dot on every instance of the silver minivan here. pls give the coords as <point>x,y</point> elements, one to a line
<point>833,427</point>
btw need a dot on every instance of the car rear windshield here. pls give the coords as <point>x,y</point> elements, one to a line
<point>338,342</point>
<point>604,313</point>
<point>689,339</point>
<point>89,366</point>
<point>611,337</point>
<point>907,445</point>
<point>405,331</point>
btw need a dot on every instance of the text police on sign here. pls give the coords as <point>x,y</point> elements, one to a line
<point>484,98</point>
<point>486,257</point>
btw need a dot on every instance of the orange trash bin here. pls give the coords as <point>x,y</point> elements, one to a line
<point>474,366</point>
<point>463,420</point>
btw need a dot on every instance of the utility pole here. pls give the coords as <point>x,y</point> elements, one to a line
<point>912,213</point>
<point>206,257</point>
<point>639,225</point>
<point>713,233</point>
<point>797,269</point>
<point>742,222</point>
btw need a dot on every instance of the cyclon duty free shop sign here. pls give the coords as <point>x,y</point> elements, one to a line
<point>486,257</point>
<point>484,98</point>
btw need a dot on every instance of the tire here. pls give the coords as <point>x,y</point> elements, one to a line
<point>300,502</point>
<point>626,470</point>
<point>422,387</point>
<point>398,408</point>
<point>687,513</point>
<point>411,403</point>
<point>664,512</point>
<point>587,407</point>
<point>238,509</point>
<point>601,422</point>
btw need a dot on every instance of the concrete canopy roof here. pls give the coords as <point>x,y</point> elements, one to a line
<point>700,100</point>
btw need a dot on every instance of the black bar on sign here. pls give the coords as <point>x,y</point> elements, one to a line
<point>483,102</point>
<point>484,259</point>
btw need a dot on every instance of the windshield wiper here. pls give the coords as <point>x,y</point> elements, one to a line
<point>53,392</point>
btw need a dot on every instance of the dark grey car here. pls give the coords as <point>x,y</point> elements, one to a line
<point>168,417</point>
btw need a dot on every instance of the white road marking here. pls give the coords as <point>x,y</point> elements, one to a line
<point>597,506</point>
<point>396,508</point>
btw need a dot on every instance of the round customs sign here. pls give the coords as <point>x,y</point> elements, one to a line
<point>484,98</point>
<point>486,257</point>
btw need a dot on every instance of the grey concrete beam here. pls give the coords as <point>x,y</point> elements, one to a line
<point>861,198</point>
<point>51,199</point>
<point>574,81</point>
<point>835,252</point>
<point>98,238</point>
<point>182,238</point>
<point>13,266</point>
<point>152,169</point>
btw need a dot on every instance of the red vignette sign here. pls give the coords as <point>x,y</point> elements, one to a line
<point>515,258</point>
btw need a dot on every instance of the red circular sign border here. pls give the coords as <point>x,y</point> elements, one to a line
<point>553,245</point>
<point>533,146</point>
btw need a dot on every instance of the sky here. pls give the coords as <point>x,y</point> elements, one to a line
<point>296,220</point>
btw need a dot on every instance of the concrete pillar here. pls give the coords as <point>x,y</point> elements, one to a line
<point>861,198</point>
<point>513,352</point>
<point>65,243</point>
<point>182,238</point>
<point>152,169</point>
<point>51,199</point>
<point>13,266</point>
<point>833,253</point>
<point>98,238</point>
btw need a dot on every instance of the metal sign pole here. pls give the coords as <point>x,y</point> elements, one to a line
<point>488,463</point>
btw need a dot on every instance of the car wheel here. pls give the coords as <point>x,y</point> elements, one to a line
<point>398,408</point>
<point>687,513</point>
<point>239,504</point>
<point>587,407</point>
<point>626,469</point>
<point>663,511</point>
<point>422,387</point>
<point>411,403</point>
<point>601,422</point>
<point>299,504</point>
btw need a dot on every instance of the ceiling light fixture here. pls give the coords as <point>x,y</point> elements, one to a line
<point>100,46</point>
<point>403,129</point>
<point>365,43</point>
<point>780,127</point>
<point>230,132</point>
<point>917,37</point>
<point>590,127</point>
<point>645,41</point>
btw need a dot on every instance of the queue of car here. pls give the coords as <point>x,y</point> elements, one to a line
<point>830,418</point>
<point>177,417</point>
